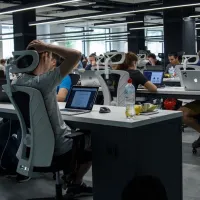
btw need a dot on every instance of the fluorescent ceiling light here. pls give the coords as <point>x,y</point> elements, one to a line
<point>197,28</point>
<point>118,24</point>
<point>151,27</point>
<point>111,14</point>
<point>197,23</point>
<point>91,40</point>
<point>87,36</point>
<point>65,33</point>
<point>195,16</point>
<point>29,7</point>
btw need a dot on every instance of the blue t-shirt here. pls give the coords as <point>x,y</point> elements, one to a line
<point>66,83</point>
<point>198,63</point>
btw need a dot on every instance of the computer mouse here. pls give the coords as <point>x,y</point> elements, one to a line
<point>104,110</point>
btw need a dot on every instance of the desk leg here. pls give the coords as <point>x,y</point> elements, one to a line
<point>121,154</point>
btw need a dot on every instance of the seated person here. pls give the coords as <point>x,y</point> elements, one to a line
<point>174,60</point>
<point>63,89</point>
<point>190,113</point>
<point>137,77</point>
<point>46,78</point>
<point>152,60</point>
<point>66,84</point>
<point>2,64</point>
<point>199,59</point>
<point>92,61</point>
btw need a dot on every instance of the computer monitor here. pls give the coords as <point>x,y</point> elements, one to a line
<point>82,98</point>
<point>156,77</point>
<point>155,68</point>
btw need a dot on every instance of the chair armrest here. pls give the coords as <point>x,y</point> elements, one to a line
<point>74,135</point>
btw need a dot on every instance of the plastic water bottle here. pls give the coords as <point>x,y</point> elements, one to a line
<point>171,71</point>
<point>130,99</point>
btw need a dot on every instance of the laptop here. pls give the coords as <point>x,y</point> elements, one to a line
<point>155,68</point>
<point>3,96</point>
<point>156,77</point>
<point>191,80</point>
<point>81,100</point>
<point>89,78</point>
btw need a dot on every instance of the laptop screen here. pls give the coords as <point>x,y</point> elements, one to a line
<point>82,97</point>
<point>156,77</point>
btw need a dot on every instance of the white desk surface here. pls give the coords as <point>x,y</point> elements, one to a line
<point>171,90</point>
<point>115,118</point>
<point>176,79</point>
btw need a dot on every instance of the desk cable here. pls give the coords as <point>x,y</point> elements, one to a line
<point>5,147</point>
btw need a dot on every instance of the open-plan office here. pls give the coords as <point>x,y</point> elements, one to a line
<point>100,99</point>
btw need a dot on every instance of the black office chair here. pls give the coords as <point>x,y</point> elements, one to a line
<point>35,154</point>
<point>2,74</point>
<point>74,78</point>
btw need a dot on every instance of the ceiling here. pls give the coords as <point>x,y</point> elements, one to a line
<point>84,7</point>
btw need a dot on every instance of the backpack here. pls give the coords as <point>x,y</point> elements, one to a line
<point>10,139</point>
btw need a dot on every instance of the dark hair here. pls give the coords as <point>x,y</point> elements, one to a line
<point>152,55</point>
<point>113,51</point>
<point>93,55</point>
<point>2,61</point>
<point>145,188</point>
<point>173,54</point>
<point>130,57</point>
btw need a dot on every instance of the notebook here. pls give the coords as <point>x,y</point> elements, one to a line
<point>156,77</point>
<point>81,100</point>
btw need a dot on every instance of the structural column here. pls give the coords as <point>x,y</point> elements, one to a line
<point>179,30</point>
<point>136,40</point>
<point>198,40</point>
<point>23,33</point>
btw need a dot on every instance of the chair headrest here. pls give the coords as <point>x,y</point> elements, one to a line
<point>24,61</point>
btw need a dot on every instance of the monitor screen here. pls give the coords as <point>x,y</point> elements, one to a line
<point>82,98</point>
<point>154,76</point>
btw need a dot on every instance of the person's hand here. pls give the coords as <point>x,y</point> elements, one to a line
<point>38,45</point>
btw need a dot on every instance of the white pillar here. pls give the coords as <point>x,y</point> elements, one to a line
<point>1,43</point>
<point>60,28</point>
<point>119,45</point>
<point>44,29</point>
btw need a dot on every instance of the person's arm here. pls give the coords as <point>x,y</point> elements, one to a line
<point>62,94</point>
<point>64,88</point>
<point>71,57</point>
<point>167,69</point>
<point>147,84</point>
<point>150,86</point>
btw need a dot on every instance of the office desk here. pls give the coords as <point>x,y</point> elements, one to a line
<point>175,82</point>
<point>170,92</point>
<point>122,149</point>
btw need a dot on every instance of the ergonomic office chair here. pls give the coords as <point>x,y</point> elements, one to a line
<point>120,78</point>
<point>142,61</point>
<point>36,150</point>
<point>74,78</point>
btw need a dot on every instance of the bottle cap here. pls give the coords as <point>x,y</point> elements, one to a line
<point>130,80</point>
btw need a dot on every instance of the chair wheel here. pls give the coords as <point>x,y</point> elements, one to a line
<point>194,151</point>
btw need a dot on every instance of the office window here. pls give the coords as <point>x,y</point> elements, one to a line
<point>154,41</point>
<point>7,44</point>
<point>100,46</point>
<point>74,43</point>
